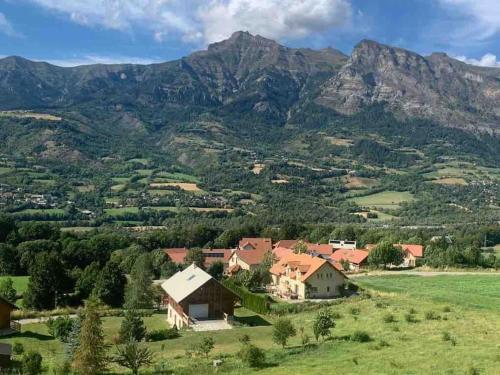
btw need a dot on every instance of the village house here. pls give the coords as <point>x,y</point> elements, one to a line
<point>316,249</point>
<point>302,276</point>
<point>250,254</point>
<point>356,258</point>
<point>412,253</point>
<point>193,295</point>
<point>177,255</point>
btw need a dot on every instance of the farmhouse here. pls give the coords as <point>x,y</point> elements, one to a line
<point>356,258</point>
<point>263,244</point>
<point>193,294</point>
<point>412,253</point>
<point>301,276</point>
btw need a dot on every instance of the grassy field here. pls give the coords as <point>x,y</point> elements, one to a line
<point>20,282</point>
<point>463,336</point>
<point>384,199</point>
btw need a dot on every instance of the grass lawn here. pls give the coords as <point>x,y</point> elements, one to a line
<point>4,170</point>
<point>384,199</point>
<point>465,307</point>
<point>20,282</point>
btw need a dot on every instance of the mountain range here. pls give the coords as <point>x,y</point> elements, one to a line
<point>256,75</point>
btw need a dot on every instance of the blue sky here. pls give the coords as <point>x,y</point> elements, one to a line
<point>72,32</point>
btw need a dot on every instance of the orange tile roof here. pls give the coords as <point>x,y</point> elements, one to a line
<point>301,261</point>
<point>280,252</point>
<point>177,255</point>
<point>258,243</point>
<point>357,256</point>
<point>289,244</point>
<point>413,249</point>
<point>251,257</point>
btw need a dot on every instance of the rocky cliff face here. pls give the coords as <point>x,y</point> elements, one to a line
<point>435,87</point>
<point>248,75</point>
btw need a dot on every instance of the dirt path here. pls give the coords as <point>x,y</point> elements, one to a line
<point>42,319</point>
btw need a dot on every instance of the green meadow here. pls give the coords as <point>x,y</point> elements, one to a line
<point>438,325</point>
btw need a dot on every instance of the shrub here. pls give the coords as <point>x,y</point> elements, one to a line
<point>60,327</point>
<point>354,310</point>
<point>446,336</point>
<point>251,301</point>
<point>431,315</point>
<point>410,318</point>
<point>252,355</point>
<point>323,323</point>
<point>163,334</point>
<point>412,311</point>
<point>18,348</point>
<point>62,368</point>
<point>31,363</point>
<point>360,336</point>
<point>446,309</point>
<point>380,305</point>
<point>389,318</point>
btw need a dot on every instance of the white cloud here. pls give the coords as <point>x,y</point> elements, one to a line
<point>6,26</point>
<point>480,19</point>
<point>272,18</point>
<point>97,59</point>
<point>207,20</point>
<point>488,60</point>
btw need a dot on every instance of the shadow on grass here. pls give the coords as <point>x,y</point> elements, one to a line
<point>252,321</point>
<point>30,335</point>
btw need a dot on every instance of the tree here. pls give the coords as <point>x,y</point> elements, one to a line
<point>73,340</point>
<point>205,346</point>
<point>196,256</point>
<point>90,356</point>
<point>132,327</point>
<point>139,293</point>
<point>9,260</point>
<point>7,290</point>
<point>7,225</point>
<point>132,356</point>
<point>87,280</point>
<point>48,280</point>
<point>323,323</point>
<point>31,363</point>
<point>216,270</point>
<point>300,247</point>
<point>386,253</point>
<point>283,329</point>
<point>110,285</point>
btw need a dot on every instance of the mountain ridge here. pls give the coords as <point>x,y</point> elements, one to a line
<point>261,78</point>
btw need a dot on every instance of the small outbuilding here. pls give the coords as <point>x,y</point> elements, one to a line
<point>6,309</point>
<point>193,294</point>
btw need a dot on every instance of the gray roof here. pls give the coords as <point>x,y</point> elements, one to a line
<point>184,283</point>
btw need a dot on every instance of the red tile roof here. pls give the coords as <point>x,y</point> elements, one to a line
<point>177,255</point>
<point>413,249</point>
<point>257,243</point>
<point>306,263</point>
<point>352,256</point>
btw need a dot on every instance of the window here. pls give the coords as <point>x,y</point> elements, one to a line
<point>328,289</point>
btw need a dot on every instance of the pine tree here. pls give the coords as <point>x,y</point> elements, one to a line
<point>132,327</point>
<point>90,356</point>
<point>139,293</point>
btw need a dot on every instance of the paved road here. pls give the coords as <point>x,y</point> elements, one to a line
<point>425,273</point>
